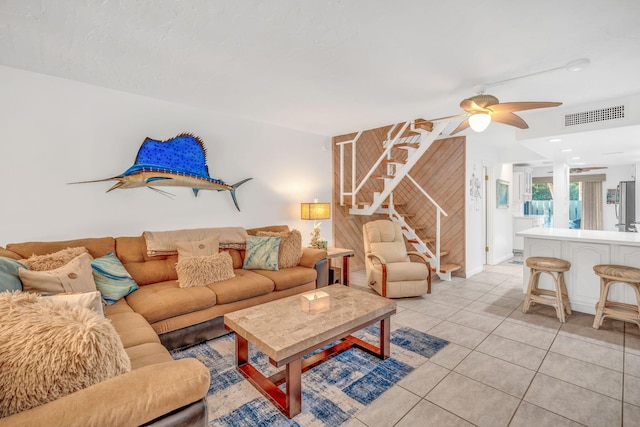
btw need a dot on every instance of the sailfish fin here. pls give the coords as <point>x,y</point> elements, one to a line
<point>233,191</point>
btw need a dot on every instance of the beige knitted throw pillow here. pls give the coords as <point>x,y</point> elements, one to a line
<point>290,250</point>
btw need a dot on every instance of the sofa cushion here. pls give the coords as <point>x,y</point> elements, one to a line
<point>76,276</point>
<point>112,279</point>
<point>261,253</point>
<point>52,261</point>
<point>132,252</point>
<point>289,277</point>
<point>204,247</point>
<point>76,349</point>
<point>163,300</point>
<point>96,246</point>
<point>202,270</point>
<point>133,329</point>
<point>290,249</point>
<point>148,354</point>
<point>9,277</point>
<point>245,284</point>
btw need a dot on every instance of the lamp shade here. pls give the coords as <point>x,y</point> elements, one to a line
<point>479,121</point>
<point>315,211</point>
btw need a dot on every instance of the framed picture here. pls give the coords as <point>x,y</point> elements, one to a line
<point>612,198</point>
<point>502,194</point>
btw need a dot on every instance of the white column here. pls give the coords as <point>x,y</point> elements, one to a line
<point>560,195</point>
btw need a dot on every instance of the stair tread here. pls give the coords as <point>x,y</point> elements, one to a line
<point>393,161</point>
<point>447,268</point>
<point>407,145</point>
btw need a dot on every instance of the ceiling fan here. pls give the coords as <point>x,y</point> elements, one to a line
<point>482,109</point>
<point>581,170</point>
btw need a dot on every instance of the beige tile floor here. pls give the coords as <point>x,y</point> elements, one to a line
<point>506,368</point>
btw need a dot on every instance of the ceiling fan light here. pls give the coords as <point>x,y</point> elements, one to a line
<point>479,121</point>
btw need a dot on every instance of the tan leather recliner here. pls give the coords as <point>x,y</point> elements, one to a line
<point>390,271</point>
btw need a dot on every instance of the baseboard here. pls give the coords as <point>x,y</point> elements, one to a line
<point>473,272</point>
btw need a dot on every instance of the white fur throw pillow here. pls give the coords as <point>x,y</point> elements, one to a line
<point>290,250</point>
<point>51,350</point>
<point>54,260</point>
<point>202,270</point>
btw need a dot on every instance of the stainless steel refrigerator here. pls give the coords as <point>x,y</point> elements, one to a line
<point>626,206</point>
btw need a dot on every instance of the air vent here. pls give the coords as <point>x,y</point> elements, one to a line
<point>610,113</point>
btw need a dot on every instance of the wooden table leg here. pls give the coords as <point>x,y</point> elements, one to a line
<point>242,351</point>
<point>345,270</point>
<point>294,388</point>
<point>385,338</point>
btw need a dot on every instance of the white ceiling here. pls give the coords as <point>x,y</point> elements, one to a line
<point>333,66</point>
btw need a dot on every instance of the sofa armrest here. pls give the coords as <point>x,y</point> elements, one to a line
<point>129,399</point>
<point>9,254</point>
<point>310,256</point>
<point>317,259</point>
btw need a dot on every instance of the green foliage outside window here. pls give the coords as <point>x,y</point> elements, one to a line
<point>541,191</point>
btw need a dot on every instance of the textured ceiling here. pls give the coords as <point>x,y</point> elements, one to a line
<point>331,66</point>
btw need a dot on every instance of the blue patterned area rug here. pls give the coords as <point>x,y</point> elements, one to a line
<point>332,392</point>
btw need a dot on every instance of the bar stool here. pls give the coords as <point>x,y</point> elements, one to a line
<point>610,274</point>
<point>557,298</point>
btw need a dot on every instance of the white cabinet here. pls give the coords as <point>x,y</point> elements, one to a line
<point>584,249</point>
<point>521,223</point>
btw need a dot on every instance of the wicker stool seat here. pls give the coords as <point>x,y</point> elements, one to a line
<point>558,298</point>
<point>610,274</point>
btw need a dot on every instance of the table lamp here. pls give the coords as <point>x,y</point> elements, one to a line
<point>316,211</point>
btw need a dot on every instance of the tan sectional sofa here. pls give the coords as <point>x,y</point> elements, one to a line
<point>158,317</point>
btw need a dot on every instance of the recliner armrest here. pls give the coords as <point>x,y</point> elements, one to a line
<point>379,258</point>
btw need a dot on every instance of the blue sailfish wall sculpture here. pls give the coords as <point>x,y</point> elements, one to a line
<point>179,161</point>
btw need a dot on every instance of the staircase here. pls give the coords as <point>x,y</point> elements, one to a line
<point>415,137</point>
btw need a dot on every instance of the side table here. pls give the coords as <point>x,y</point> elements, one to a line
<point>345,254</point>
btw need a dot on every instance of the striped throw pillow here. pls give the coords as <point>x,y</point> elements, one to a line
<point>112,279</point>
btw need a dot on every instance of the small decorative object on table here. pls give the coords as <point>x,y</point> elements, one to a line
<point>315,302</point>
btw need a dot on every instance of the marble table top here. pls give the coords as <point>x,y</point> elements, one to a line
<point>283,331</point>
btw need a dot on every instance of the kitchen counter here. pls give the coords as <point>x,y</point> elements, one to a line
<point>583,249</point>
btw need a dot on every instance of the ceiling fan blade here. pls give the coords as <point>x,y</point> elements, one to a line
<point>462,126</point>
<point>448,117</point>
<point>510,119</point>
<point>471,106</point>
<point>521,106</point>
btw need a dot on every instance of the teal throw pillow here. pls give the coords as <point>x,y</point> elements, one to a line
<point>261,253</point>
<point>9,278</point>
<point>112,279</point>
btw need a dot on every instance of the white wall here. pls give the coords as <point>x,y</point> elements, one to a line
<point>58,131</point>
<point>482,150</point>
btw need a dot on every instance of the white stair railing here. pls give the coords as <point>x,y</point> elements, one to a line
<point>400,170</point>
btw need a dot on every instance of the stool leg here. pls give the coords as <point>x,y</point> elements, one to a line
<point>604,290</point>
<point>559,299</point>
<point>533,284</point>
<point>565,294</point>
<point>636,288</point>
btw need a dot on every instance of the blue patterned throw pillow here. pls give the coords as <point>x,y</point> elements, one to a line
<point>9,279</point>
<point>261,253</point>
<point>112,279</point>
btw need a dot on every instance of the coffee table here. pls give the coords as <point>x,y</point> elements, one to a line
<point>286,333</point>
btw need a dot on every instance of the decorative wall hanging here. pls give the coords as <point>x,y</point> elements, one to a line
<point>179,161</point>
<point>502,194</point>
<point>474,190</point>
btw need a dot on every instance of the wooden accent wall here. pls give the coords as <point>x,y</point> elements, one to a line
<point>440,171</point>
